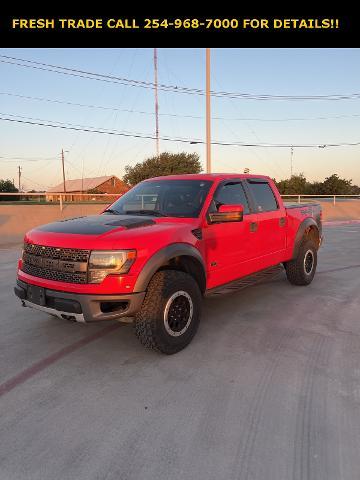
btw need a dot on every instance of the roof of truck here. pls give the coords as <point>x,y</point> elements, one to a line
<point>209,176</point>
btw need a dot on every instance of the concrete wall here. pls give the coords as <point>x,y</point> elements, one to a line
<point>15,220</point>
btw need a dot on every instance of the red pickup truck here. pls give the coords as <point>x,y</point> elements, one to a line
<point>159,248</point>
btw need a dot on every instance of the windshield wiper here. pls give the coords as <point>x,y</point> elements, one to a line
<point>154,213</point>
<point>112,211</point>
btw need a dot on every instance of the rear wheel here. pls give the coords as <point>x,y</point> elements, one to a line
<point>301,270</point>
<point>170,314</point>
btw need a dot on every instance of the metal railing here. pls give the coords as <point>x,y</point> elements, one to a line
<point>333,197</point>
<point>57,198</point>
<point>106,198</point>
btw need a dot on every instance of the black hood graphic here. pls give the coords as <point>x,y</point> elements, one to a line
<point>96,224</point>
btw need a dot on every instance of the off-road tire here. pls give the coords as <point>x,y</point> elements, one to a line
<point>150,324</point>
<point>298,270</point>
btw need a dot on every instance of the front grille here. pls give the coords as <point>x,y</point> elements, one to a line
<point>54,274</point>
<point>71,254</point>
<point>61,264</point>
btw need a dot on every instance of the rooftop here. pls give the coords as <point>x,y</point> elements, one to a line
<point>79,184</point>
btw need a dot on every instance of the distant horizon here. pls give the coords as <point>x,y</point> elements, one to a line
<point>51,189</point>
<point>37,95</point>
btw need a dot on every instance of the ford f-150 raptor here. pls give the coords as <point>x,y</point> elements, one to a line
<point>158,249</point>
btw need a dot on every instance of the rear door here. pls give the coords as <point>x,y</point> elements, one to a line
<point>271,218</point>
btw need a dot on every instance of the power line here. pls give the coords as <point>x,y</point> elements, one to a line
<point>42,167</point>
<point>69,126</point>
<point>33,181</point>
<point>73,166</point>
<point>171,88</point>
<point>90,129</point>
<point>94,76</point>
<point>165,114</point>
<point>156,102</point>
<point>25,159</point>
<point>104,107</point>
<point>253,151</point>
<point>286,119</point>
<point>107,149</point>
<point>66,123</point>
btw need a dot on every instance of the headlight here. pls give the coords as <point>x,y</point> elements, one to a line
<point>103,263</point>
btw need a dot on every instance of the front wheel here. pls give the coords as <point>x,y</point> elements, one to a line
<point>170,313</point>
<point>301,270</point>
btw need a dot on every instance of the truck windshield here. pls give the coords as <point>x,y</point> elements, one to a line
<point>169,198</point>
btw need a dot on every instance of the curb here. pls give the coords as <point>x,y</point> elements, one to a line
<point>335,223</point>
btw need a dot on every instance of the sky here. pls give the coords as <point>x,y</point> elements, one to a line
<point>124,108</point>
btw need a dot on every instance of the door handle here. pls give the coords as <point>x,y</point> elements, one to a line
<point>282,221</point>
<point>253,226</point>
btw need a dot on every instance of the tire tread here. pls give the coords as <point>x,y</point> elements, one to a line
<point>146,319</point>
<point>294,268</point>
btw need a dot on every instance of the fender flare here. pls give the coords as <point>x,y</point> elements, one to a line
<point>161,257</point>
<point>308,222</point>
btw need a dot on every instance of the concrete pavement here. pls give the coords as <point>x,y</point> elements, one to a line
<point>268,389</point>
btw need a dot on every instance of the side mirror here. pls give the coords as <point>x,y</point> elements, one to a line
<point>227,213</point>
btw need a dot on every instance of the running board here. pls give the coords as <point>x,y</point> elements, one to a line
<point>253,279</point>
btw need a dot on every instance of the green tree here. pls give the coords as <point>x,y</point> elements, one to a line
<point>314,188</point>
<point>292,186</point>
<point>5,187</point>
<point>334,185</point>
<point>164,164</point>
<point>355,190</point>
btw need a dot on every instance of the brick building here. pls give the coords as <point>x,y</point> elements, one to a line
<point>111,185</point>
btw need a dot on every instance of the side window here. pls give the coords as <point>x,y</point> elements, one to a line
<point>230,193</point>
<point>264,196</point>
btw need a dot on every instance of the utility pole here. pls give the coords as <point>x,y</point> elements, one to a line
<point>291,161</point>
<point>156,102</point>
<point>19,175</point>
<point>63,168</point>
<point>208,114</point>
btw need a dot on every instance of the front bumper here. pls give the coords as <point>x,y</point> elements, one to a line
<point>79,307</point>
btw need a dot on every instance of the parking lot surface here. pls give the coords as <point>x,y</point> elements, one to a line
<point>269,389</point>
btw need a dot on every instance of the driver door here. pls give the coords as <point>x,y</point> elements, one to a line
<point>231,247</point>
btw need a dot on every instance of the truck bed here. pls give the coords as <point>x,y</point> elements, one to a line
<point>289,205</point>
<point>298,212</point>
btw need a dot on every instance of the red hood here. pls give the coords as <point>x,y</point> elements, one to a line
<point>103,232</point>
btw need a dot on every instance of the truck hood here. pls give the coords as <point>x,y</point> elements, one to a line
<point>97,224</point>
<point>113,231</point>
